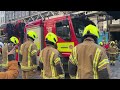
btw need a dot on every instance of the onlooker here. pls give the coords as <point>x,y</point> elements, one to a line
<point>21,30</point>
<point>17,34</point>
<point>10,29</point>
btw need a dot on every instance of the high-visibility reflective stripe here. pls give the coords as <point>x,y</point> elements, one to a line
<point>20,52</point>
<point>34,51</point>
<point>41,59</point>
<point>61,76</point>
<point>102,63</point>
<point>95,62</point>
<point>72,77</point>
<point>29,49</point>
<point>20,49</point>
<point>113,53</point>
<point>73,57</point>
<point>51,64</point>
<point>34,66</point>
<point>4,65</point>
<point>77,76</point>
<point>25,67</point>
<point>57,60</point>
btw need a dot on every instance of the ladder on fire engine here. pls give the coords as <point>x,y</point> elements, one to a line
<point>43,14</point>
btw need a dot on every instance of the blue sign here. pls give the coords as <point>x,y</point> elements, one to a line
<point>103,36</point>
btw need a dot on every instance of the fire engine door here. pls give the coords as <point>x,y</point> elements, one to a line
<point>63,33</point>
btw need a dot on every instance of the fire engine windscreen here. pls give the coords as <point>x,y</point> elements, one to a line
<point>79,24</point>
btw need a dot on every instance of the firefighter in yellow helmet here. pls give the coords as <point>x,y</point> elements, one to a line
<point>112,51</point>
<point>9,64</point>
<point>8,47</point>
<point>89,60</point>
<point>28,56</point>
<point>50,63</point>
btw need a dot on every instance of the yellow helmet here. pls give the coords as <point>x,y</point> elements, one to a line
<point>91,30</point>
<point>112,42</point>
<point>101,43</point>
<point>51,37</point>
<point>14,40</point>
<point>32,34</point>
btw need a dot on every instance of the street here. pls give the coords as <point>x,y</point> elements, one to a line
<point>115,72</point>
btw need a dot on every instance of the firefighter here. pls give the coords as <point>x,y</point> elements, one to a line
<point>12,69</point>
<point>28,56</point>
<point>50,63</point>
<point>89,60</point>
<point>8,47</point>
<point>113,51</point>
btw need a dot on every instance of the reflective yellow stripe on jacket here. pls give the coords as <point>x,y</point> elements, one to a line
<point>102,63</point>
<point>34,51</point>
<point>95,63</point>
<point>4,64</point>
<point>41,60</point>
<point>73,56</point>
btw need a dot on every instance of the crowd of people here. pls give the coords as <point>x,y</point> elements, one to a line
<point>112,50</point>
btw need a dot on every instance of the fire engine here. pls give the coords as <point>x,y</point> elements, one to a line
<point>68,28</point>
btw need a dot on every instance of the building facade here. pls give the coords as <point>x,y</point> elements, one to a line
<point>15,15</point>
<point>2,17</point>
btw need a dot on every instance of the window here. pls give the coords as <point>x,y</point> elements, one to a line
<point>63,30</point>
<point>79,24</point>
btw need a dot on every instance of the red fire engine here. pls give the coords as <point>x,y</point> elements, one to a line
<point>68,28</point>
